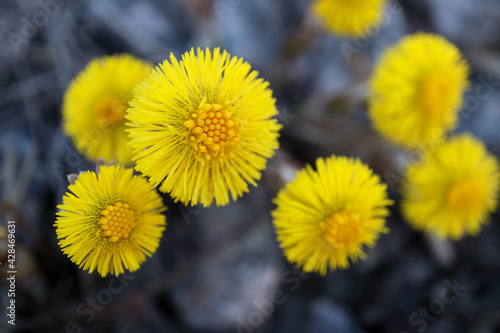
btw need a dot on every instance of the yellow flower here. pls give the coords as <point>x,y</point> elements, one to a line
<point>95,104</point>
<point>417,90</point>
<point>110,220</point>
<point>202,128</point>
<point>326,217</point>
<point>349,18</point>
<point>452,190</point>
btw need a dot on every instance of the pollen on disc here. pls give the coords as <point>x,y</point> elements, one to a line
<point>117,221</point>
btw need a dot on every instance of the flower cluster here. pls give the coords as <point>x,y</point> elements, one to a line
<point>417,91</point>
<point>202,128</point>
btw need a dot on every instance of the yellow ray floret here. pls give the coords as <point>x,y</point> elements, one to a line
<point>349,18</point>
<point>202,127</point>
<point>110,221</point>
<point>325,218</point>
<point>95,104</point>
<point>453,189</point>
<point>417,90</point>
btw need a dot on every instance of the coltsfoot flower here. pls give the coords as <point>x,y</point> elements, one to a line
<point>417,90</point>
<point>349,18</point>
<point>95,104</point>
<point>202,127</point>
<point>453,189</point>
<point>325,217</point>
<point>110,221</point>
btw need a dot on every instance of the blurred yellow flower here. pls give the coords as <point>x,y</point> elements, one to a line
<point>417,89</point>
<point>349,18</point>
<point>202,128</point>
<point>324,218</point>
<point>110,220</point>
<point>453,189</point>
<point>95,104</point>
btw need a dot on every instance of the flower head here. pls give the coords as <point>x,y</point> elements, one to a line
<point>110,220</point>
<point>202,128</point>
<point>326,217</point>
<point>417,89</point>
<point>349,18</point>
<point>452,190</point>
<point>95,104</point>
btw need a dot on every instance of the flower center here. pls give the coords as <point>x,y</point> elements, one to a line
<point>342,229</point>
<point>466,194</point>
<point>117,221</point>
<point>432,98</point>
<point>110,110</point>
<point>212,131</point>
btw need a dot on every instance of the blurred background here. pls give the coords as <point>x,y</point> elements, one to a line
<point>220,269</point>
